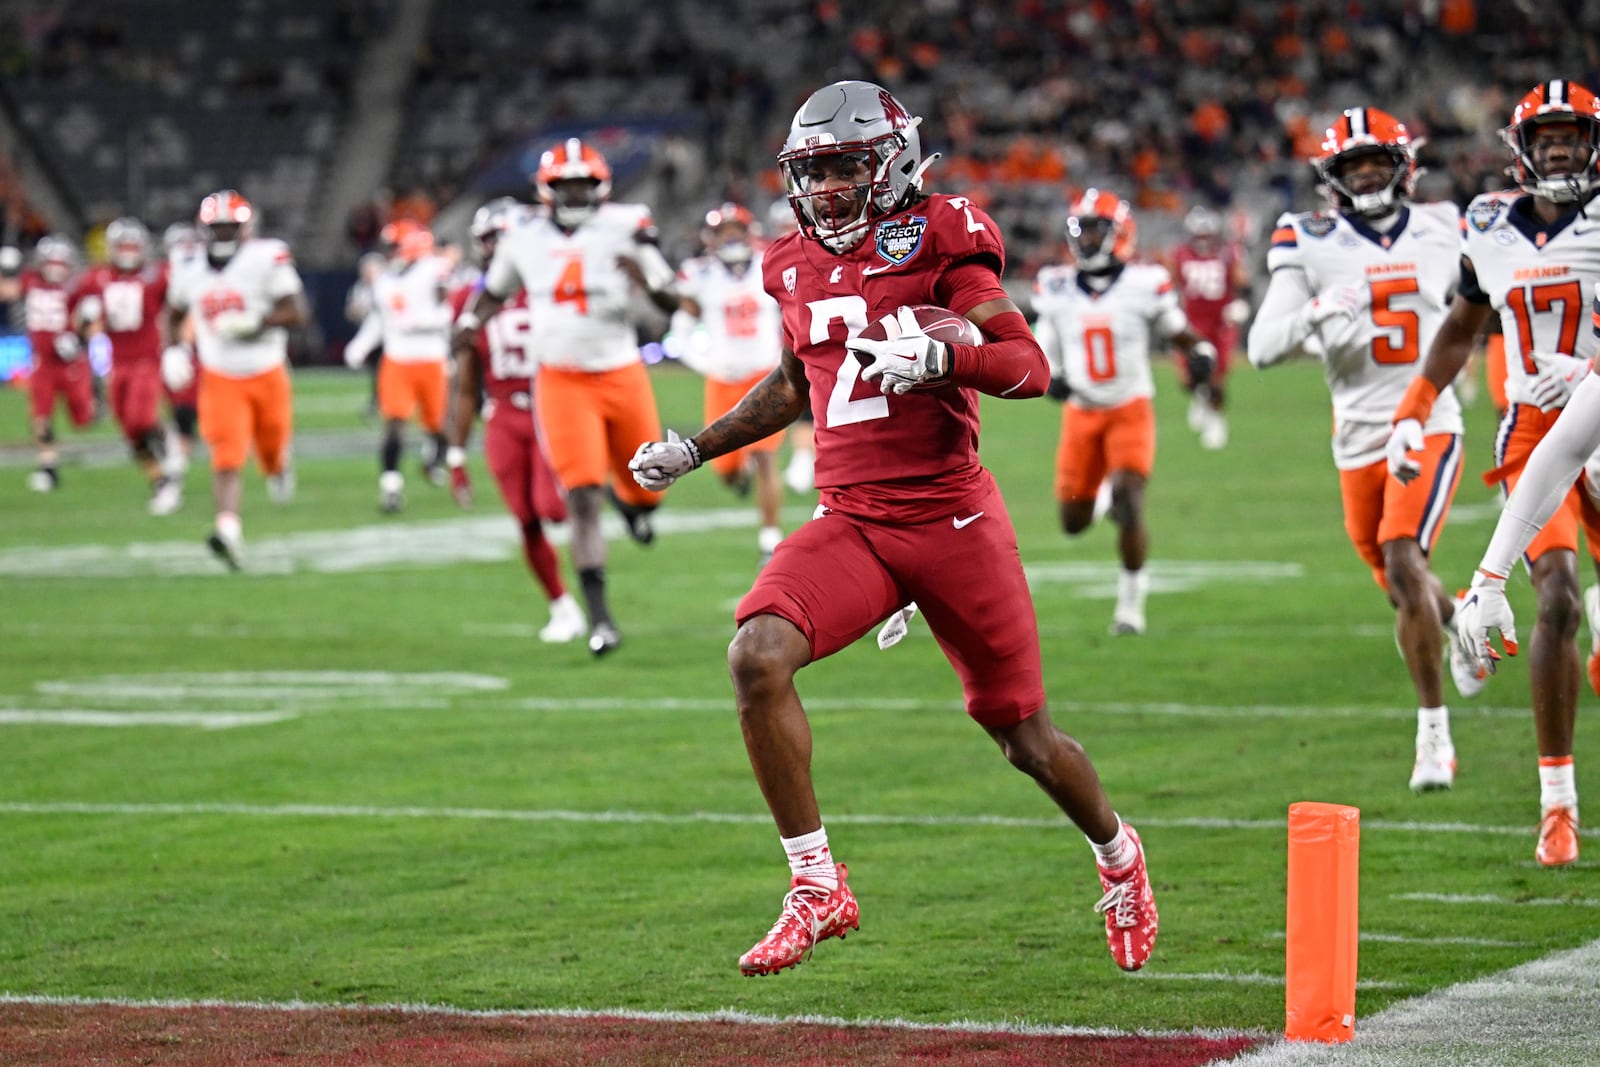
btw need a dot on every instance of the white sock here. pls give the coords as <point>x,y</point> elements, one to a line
<point>1132,586</point>
<point>1434,723</point>
<point>810,859</point>
<point>768,537</point>
<point>1118,853</point>
<point>1557,785</point>
<point>391,482</point>
<point>229,526</point>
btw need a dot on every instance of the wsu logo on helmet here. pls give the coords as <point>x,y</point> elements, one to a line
<point>894,110</point>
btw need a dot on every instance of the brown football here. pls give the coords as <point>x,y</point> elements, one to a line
<point>941,324</point>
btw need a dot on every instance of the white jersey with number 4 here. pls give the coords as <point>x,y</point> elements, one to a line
<point>743,327</point>
<point>1541,281</point>
<point>1099,341</point>
<point>576,292</point>
<point>258,275</point>
<point>1408,275</point>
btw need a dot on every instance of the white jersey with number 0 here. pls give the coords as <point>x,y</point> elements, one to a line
<point>1099,341</point>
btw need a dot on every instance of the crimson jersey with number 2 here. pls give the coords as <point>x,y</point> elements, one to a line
<point>864,437</point>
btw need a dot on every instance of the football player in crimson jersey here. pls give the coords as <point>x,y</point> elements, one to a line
<point>907,510</point>
<point>1213,281</point>
<point>60,370</point>
<point>1364,289</point>
<point>124,299</point>
<point>497,370</point>
<point>1535,259</point>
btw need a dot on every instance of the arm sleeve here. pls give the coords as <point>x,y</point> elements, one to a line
<point>1010,365</point>
<point>1550,472</point>
<point>1280,330</point>
<point>658,274</point>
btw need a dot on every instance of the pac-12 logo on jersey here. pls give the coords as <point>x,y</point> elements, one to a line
<point>1482,216</point>
<point>899,241</point>
<point>789,279</point>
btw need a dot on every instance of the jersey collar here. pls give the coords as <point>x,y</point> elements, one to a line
<point>1379,237</point>
<point>1539,233</point>
<point>1114,273</point>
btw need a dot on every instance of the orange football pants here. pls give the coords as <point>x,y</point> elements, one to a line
<point>1095,441</point>
<point>721,398</point>
<point>592,422</point>
<point>238,412</point>
<point>1379,509</point>
<point>406,388</point>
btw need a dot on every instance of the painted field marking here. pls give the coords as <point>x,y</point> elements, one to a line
<point>1409,939</point>
<point>1499,901</point>
<point>205,720</point>
<point>724,1015</point>
<point>1247,978</point>
<point>563,815</point>
<point>1097,579</point>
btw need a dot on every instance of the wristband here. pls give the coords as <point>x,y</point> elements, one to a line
<point>468,320</point>
<point>1418,401</point>
<point>455,457</point>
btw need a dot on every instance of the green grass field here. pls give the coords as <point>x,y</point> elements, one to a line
<point>352,774</point>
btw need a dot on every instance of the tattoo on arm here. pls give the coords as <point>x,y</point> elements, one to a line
<point>774,403</point>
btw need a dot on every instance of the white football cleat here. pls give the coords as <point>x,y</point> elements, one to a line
<point>227,547</point>
<point>1469,677</point>
<point>1197,412</point>
<point>1214,433</point>
<point>1126,622</point>
<point>42,481</point>
<point>391,492</point>
<point>166,498</point>
<point>1435,767</point>
<point>566,621</point>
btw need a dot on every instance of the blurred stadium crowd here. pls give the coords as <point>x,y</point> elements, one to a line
<point>336,118</point>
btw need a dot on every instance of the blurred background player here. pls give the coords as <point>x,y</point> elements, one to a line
<point>736,344</point>
<point>497,370</point>
<point>1535,259</point>
<point>357,306</point>
<point>579,262</point>
<point>410,322</point>
<point>1097,318</point>
<point>124,298</point>
<point>245,296</point>
<point>1364,289</point>
<point>60,370</point>
<point>800,473</point>
<point>1214,282</point>
<point>183,248</point>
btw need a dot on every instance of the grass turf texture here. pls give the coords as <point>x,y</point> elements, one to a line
<point>960,919</point>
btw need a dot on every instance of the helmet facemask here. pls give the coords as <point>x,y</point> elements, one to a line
<point>1090,238</point>
<point>573,201</point>
<point>1542,178</point>
<point>1360,194</point>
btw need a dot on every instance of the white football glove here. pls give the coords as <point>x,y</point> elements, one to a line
<point>1404,439</point>
<point>1334,301</point>
<point>894,630</point>
<point>1557,379</point>
<point>237,325</point>
<point>1235,312</point>
<point>177,367</point>
<point>69,346</point>
<point>658,464</point>
<point>912,359</point>
<point>1483,611</point>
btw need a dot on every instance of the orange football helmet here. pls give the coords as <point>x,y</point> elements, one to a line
<point>226,220</point>
<point>1101,231</point>
<point>1362,131</point>
<point>408,239</point>
<point>574,179</point>
<point>1554,102</point>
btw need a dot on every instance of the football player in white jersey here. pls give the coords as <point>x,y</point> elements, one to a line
<point>1535,259</point>
<point>245,296</point>
<point>183,247</point>
<point>1364,288</point>
<point>580,262</point>
<point>410,319</point>
<point>1097,318</point>
<point>730,331</point>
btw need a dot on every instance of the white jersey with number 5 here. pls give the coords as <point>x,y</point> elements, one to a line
<point>1541,280</point>
<point>1099,341</point>
<point>576,292</point>
<point>744,330</point>
<point>1408,274</point>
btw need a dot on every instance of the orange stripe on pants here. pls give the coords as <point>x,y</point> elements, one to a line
<point>1379,509</point>
<point>592,422</point>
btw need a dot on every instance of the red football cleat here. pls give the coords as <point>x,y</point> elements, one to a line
<point>811,913</point>
<point>1130,910</point>
<point>1558,837</point>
